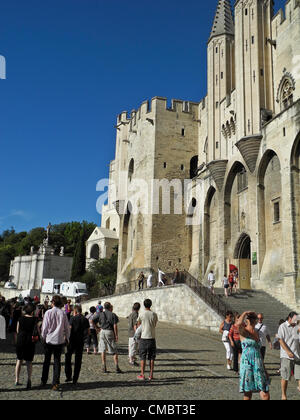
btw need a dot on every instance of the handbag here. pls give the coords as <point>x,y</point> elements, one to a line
<point>225,336</point>
<point>35,334</point>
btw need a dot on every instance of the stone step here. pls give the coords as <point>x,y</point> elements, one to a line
<point>258,301</point>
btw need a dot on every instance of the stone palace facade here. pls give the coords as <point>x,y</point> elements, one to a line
<point>239,148</point>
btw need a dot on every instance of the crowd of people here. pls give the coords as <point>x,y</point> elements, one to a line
<point>245,337</point>
<point>62,328</point>
<point>230,283</point>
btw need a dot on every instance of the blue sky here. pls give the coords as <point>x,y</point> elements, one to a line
<point>72,67</point>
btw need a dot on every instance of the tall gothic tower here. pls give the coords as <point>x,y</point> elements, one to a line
<point>253,54</point>
<point>221,72</point>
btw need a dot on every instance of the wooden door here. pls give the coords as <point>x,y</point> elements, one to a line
<point>245,274</point>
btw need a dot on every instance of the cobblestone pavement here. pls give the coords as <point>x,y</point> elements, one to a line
<point>190,366</point>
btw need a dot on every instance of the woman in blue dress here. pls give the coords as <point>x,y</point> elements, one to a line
<point>253,376</point>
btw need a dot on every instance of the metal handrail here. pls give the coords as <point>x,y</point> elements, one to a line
<point>212,300</point>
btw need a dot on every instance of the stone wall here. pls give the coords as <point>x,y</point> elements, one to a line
<point>176,304</point>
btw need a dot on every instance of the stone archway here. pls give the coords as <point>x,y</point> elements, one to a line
<point>210,236</point>
<point>95,252</point>
<point>242,255</point>
<point>235,206</point>
<point>270,221</point>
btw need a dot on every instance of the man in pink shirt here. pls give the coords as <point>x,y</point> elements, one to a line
<point>55,334</point>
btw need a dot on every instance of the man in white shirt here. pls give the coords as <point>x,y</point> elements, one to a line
<point>289,336</point>
<point>147,346</point>
<point>55,333</point>
<point>264,335</point>
<point>160,278</point>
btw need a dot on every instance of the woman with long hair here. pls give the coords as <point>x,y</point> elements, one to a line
<point>253,376</point>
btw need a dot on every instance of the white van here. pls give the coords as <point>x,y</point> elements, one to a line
<point>73,289</point>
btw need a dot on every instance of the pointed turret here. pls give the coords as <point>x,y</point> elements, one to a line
<point>223,23</point>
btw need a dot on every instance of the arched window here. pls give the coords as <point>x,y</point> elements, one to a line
<point>285,93</point>
<point>95,252</point>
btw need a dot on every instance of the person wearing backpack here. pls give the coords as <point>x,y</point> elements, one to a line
<point>108,322</point>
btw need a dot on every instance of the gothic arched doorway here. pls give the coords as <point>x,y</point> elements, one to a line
<point>242,255</point>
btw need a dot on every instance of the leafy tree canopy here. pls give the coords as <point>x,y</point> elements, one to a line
<point>64,235</point>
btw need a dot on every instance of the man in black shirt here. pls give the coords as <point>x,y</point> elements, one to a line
<point>79,328</point>
<point>108,336</point>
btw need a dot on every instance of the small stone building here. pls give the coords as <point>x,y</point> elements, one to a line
<point>100,245</point>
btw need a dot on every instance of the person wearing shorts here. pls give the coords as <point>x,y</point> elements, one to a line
<point>225,285</point>
<point>108,335</point>
<point>289,336</point>
<point>132,327</point>
<point>147,346</point>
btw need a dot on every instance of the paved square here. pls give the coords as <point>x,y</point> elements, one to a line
<point>190,366</point>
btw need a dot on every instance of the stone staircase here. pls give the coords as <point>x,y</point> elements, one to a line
<point>258,301</point>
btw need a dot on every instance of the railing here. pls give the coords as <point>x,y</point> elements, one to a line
<point>214,301</point>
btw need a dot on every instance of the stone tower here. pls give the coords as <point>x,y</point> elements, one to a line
<point>254,75</point>
<point>221,75</point>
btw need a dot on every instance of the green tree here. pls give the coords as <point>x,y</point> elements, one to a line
<point>102,275</point>
<point>79,260</point>
<point>7,253</point>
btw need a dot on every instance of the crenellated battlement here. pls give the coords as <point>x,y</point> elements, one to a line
<point>284,18</point>
<point>157,104</point>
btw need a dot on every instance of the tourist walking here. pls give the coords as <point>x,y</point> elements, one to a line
<point>27,337</point>
<point>108,322</point>
<point>99,307</point>
<point>253,376</point>
<point>161,278</point>
<point>211,281</point>
<point>289,336</point>
<point>235,341</point>
<point>141,280</point>
<point>235,281</point>
<point>92,338</point>
<point>150,281</point>
<point>147,346</point>
<point>132,327</point>
<point>55,334</point>
<point>79,329</point>
<point>264,335</point>
<point>176,278</point>
<point>231,283</point>
<point>224,330</point>
<point>225,285</point>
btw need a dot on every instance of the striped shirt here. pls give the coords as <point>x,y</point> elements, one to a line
<point>234,333</point>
